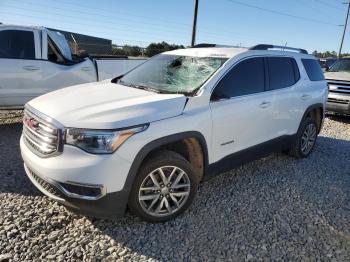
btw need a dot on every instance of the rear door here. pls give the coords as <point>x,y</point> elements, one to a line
<point>241,109</point>
<point>284,88</point>
<point>20,67</point>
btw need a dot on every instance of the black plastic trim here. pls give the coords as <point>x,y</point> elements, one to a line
<point>158,143</point>
<point>267,47</point>
<point>203,45</point>
<point>309,109</point>
<point>111,205</point>
<point>252,153</point>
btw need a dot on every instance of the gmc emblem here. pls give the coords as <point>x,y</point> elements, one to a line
<point>31,123</point>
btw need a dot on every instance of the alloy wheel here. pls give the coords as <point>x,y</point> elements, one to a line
<point>308,138</point>
<point>164,191</point>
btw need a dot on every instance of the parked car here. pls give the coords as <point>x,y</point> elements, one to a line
<point>338,77</point>
<point>35,60</point>
<point>148,138</point>
<point>326,63</point>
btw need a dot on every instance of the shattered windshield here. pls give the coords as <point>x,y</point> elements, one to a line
<point>173,73</point>
<point>342,65</point>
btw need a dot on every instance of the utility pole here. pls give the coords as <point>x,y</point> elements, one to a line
<point>194,26</point>
<point>345,25</point>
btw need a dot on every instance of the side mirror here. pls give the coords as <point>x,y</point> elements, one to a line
<point>215,97</point>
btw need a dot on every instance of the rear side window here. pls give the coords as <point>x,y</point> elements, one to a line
<point>283,72</point>
<point>248,77</point>
<point>313,69</point>
<point>17,44</point>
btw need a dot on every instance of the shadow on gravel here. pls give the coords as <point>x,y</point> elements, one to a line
<point>274,207</point>
<point>339,118</point>
<point>12,175</point>
<point>263,207</point>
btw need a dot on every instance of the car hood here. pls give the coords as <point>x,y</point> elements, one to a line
<point>341,76</point>
<point>106,105</point>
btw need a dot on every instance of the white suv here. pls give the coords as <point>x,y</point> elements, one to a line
<point>146,139</point>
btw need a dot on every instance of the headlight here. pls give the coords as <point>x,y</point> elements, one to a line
<point>100,141</point>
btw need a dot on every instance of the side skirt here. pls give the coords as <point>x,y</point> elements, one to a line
<point>247,155</point>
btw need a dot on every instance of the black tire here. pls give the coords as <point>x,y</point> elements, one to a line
<point>165,159</point>
<point>296,148</point>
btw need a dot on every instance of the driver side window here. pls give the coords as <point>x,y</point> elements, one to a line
<point>248,77</point>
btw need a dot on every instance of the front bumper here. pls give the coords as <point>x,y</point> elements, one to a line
<point>339,103</point>
<point>88,184</point>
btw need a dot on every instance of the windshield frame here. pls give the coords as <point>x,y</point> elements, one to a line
<point>119,79</point>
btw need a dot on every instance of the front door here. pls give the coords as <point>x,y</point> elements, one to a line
<point>241,109</point>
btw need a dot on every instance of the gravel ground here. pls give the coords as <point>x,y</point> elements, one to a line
<point>277,208</point>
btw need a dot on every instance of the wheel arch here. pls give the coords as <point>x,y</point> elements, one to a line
<point>158,143</point>
<point>315,111</point>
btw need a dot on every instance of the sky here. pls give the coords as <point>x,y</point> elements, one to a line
<point>309,24</point>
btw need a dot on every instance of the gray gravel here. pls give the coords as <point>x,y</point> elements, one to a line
<point>276,208</point>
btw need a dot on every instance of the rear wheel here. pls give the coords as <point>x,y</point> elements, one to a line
<point>164,188</point>
<point>305,140</point>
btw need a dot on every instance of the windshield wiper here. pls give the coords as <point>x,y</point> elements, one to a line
<point>147,88</point>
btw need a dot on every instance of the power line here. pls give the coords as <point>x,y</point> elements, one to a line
<point>186,25</point>
<point>111,12</point>
<point>328,4</point>
<point>112,22</point>
<point>281,13</point>
<point>154,36</point>
<point>175,29</point>
<point>203,29</point>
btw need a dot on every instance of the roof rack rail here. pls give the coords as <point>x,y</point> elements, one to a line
<point>267,47</point>
<point>203,45</point>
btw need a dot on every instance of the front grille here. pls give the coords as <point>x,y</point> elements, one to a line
<point>339,87</point>
<point>43,184</point>
<point>43,137</point>
<point>338,101</point>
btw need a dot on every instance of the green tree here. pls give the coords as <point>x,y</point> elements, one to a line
<point>326,54</point>
<point>156,48</point>
<point>118,51</point>
<point>132,50</point>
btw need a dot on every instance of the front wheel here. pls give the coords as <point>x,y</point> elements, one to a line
<point>305,140</point>
<point>164,187</point>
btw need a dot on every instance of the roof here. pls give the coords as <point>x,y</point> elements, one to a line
<point>229,52</point>
<point>23,26</point>
<point>225,52</point>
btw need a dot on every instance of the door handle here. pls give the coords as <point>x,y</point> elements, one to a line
<point>305,97</point>
<point>86,68</point>
<point>265,104</point>
<point>31,68</point>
